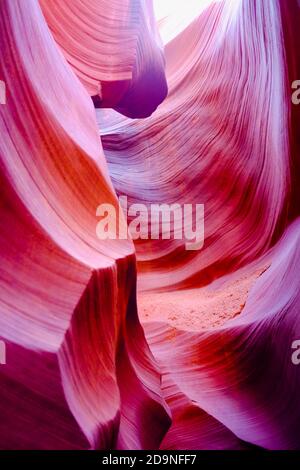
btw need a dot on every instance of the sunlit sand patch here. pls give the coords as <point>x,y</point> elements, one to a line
<point>199,308</point>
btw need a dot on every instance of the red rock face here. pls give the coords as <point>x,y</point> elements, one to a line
<point>122,344</point>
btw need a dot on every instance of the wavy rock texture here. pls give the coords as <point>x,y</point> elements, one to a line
<point>115,50</point>
<point>63,291</point>
<point>206,364</point>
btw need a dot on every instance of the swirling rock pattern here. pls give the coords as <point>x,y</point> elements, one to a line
<point>119,345</point>
<point>115,50</point>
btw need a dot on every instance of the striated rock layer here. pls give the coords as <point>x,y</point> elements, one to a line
<point>63,291</point>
